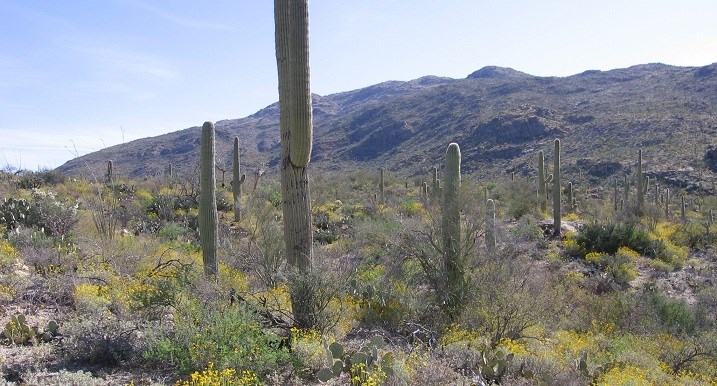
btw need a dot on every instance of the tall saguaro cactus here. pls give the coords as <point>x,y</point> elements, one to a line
<point>381,187</point>
<point>490,227</point>
<point>436,183</point>
<point>542,182</point>
<point>556,190</point>
<point>208,217</point>
<point>295,122</point>
<point>453,261</point>
<point>110,171</point>
<point>237,181</point>
<point>641,188</point>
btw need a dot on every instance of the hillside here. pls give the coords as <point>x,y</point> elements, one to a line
<point>501,117</point>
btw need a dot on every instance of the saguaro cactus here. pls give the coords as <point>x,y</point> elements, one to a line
<point>667,203</point>
<point>381,187</point>
<point>616,201</point>
<point>490,227</point>
<point>572,202</point>
<point>542,181</point>
<point>110,171</point>
<point>453,260</point>
<point>556,190</point>
<point>641,188</point>
<point>436,183</point>
<point>208,217</point>
<point>295,122</point>
<point>237,180</point>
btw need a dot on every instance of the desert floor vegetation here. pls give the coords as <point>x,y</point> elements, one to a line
<point>102,282</point>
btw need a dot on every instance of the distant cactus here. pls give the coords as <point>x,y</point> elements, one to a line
<point>452,228</point>
<point>110,171</point>
<point>237,181</point>
<point>436,186</point>
<point>572,202</point>
<point>641,187</point>
<point>208,217</point>
<point>626,192</point>
<point>381,187</point>
<point>490,238</point>
<point>556,190</point>
<point>667,203</point>
<point>616,201</point>
<point>170,171</point>
<point>542,182</point>
<point>682,208</point>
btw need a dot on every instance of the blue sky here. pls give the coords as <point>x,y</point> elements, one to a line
<point>77,76</point>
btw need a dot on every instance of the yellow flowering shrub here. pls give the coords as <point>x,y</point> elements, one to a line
<point>308,345</point>
<point>456,334</point>
<point>625,375</point>
<point>361,375</point>
<point>7,254</point>
<point>513,346</point>
<point>91,298</point>
<point>226,377</point>
<point>230,277</point>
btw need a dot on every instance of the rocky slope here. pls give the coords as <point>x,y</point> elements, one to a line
<point>501,118</point>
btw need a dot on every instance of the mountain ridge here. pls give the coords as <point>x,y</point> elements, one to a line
<point>499,116</point>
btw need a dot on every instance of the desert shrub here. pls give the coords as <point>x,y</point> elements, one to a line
<point>170,231</point>
<point>62,377</point>
<point>620,267</point>
<point>411,207</point>
<point>160,205</point>
<point>608,237</point>
<point>675,314</point>
<point>228,337</point>
<point>694,235</point>
<point>520,199</point>
<point>100,339</point>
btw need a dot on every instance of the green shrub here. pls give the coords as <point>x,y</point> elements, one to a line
<point>170,231</point>
<point>229,338</point>
<point>675,315</point>
<point>620,267</point>
<point>607,238</point>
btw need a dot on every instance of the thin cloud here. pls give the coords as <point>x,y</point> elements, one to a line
<point>130,62</point>
<point>184,22</point>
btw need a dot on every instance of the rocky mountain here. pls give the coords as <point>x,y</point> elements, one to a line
<point>500,117</point>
